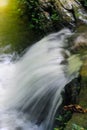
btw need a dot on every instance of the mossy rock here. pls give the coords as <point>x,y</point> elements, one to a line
<point>79,118</point>
<point>84,72</point>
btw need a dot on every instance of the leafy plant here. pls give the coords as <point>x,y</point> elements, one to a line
<point>30,10</point>
<point>61,120</point>
<point>77,127</point>
<point>56,128</point>
<point>85,2</point>
<point>36,16</point>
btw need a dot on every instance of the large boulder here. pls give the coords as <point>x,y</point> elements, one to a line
<point>80,119</point>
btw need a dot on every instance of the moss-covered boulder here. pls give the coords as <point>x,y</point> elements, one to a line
<point>78,118</point>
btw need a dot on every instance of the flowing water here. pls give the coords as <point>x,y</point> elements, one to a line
<point>31,85</point>
<point>30,88</point>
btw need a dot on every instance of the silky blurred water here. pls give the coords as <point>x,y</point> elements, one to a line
<point>30,87</point>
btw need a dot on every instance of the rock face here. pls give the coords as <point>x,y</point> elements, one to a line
<point>80,45</point>
<point>76,90</point>
<point>52,15</point>
<point>71,11</point>
<point>78,118</point>
<point>72,91</point>
<point>65,8</point>
<point>80,42</point>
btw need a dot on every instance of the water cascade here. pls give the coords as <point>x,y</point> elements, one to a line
<point>31,87</point>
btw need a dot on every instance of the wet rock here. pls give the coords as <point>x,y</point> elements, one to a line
<point>80,42</point>
<point>62,9</point>
<point>78,118</point>
<point>71,11</point>
<point>72,91</point>
<point>45,4</point>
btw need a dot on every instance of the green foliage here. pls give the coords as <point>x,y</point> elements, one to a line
<point>85,1</point>
<point>36,16</point>
<point>77,127</point>
<point>56,128</point>
<point>61,120</point>
<point>55,16</point>
<point>30,11</point>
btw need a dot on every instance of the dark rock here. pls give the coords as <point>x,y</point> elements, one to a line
<point>72,91</point>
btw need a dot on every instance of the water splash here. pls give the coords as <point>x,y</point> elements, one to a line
<point>35,85</point>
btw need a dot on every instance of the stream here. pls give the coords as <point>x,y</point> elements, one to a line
<point>31,84</point>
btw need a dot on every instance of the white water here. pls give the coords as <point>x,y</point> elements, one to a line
<point>30,89</point>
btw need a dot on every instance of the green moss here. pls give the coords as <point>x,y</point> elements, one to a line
<point>83,72</point>
<point>78,118</point>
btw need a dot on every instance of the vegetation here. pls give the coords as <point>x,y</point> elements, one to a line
<point>34,14</point>
<point>74,127</point>
<point>61,120</point>
<point>30,10</point>
<point>84,2</point>
<point>37,18</point>
<point>77,127</point>
<point>44,14</point>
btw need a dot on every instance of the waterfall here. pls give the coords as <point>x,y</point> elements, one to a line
<point>33,85</point>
